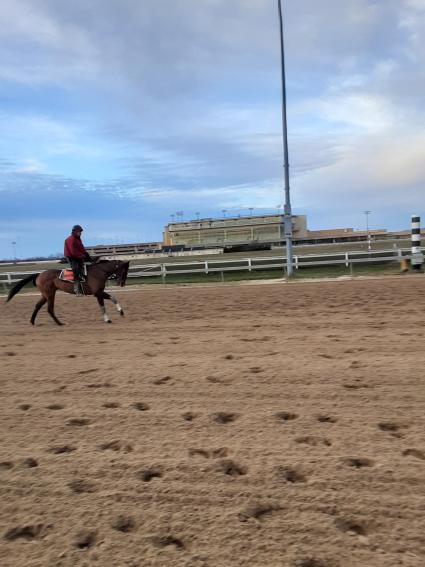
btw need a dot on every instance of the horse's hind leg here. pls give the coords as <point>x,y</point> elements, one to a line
<point>37,308</point>
<point>101,301</point>
<point>51,308</point>
<point>115,302</point>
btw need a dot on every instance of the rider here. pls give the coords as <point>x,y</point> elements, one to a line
<point>76,255</point>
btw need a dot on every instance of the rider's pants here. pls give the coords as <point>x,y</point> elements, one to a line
<point>77,267</point>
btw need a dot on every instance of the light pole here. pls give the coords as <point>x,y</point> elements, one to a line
<point>369,244</point>
<point>287,221</point>
<point>250,209</point>
<point>14,252</point>
<point>197,215</point>
<point>224,211</point>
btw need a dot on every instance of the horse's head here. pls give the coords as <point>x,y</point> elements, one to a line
<point>121,271</point>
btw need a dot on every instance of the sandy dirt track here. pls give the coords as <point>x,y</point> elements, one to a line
<point>256,426</point>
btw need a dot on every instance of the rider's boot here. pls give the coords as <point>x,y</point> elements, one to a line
<point>77,289</point>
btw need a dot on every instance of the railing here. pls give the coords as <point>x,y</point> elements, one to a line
<point>246,264</point>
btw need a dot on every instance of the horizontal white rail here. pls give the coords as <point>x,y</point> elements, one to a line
<point>240,264</point>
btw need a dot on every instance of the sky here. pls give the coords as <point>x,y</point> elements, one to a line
<point>116,114</point>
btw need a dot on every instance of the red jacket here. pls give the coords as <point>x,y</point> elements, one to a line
<point>74,248</point>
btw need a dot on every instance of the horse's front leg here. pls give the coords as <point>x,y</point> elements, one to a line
<point>115,302</point>
<point>101,301</point>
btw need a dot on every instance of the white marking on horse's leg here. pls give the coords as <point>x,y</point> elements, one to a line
<point>117,305</point>
<point>105,315</point>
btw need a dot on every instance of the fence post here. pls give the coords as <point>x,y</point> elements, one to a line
<point>206,267</point>
<point>296,262</point>
<point>9,278</point>
<point>222,276</point>
<point>346,259</point>
<point>249,265</point>
<point>163,273</point>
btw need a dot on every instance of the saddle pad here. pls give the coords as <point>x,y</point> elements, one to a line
<point>66,275</point>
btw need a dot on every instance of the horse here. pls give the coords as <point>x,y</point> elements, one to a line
<point>48,283</point>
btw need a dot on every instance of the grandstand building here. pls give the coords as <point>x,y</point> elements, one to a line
<point>229,234</point>
<point>233,231</point>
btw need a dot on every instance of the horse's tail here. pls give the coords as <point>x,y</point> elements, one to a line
<point>18,286</point>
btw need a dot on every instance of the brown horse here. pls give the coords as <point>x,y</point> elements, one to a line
<point>48,283</point>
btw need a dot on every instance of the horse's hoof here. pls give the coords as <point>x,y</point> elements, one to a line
<point>122,313</point>
<point>108,321</point>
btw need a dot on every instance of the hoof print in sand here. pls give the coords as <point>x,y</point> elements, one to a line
<point>61,449</point>
<point>141,406</point>
<point>148,474</point>
<point>214,453</point>
<point>6,465</point>
<point>326,419</point>
<point>223,417</point>
<point>220,452</point>
<point>349,525</point>
<point>391,428</point>
<point>167,541</point>
<point>313,562</point>
<point>30,463</point>
<point>414,453</point>
<point>357,385</point>
<point>111,405</point>
<point>55,407</point>
<point>77,422</point>
<point>88,371</point>
<point>80,486</point>
<point>24,407</point>
<point>289,474</point>
<point>313,441</point>
<point>217,380</point>
<point>357,463</point>
<point>162,380</point>
<point>189,416</point>
<point>230,468</point>
<point>123,524</point>
<point>199,453</point>
<point>85,539</point>
<point>25,532</point>
<point>116,446</point>
<point>286,416</point>
<point>257,510</point>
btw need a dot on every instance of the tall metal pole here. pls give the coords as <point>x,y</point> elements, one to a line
<point>369,243</point>
<point>287,220</point>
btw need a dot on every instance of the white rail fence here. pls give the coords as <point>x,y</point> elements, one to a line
<point>246,264</point>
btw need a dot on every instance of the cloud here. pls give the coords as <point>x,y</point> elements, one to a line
<point>158,106</point>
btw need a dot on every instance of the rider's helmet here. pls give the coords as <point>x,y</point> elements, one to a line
<point>77,228</point>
